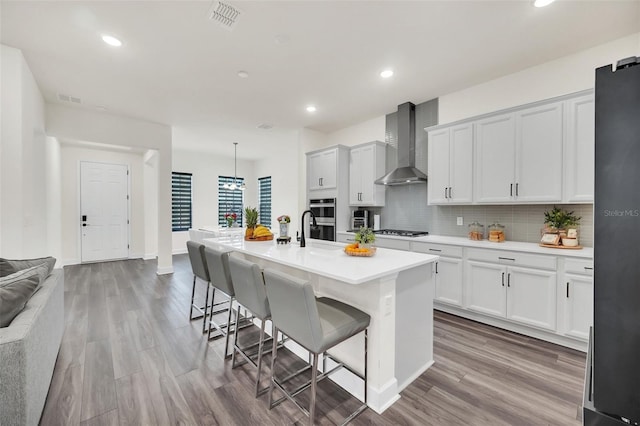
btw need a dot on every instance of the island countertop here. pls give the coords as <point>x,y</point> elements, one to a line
<point>327,258</point>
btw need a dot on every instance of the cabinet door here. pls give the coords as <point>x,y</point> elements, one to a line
<point>367,175</point>
<point>495,154</point>
<point>355,176</point>
<point>438,159</point>
<point>531,297</point>
<point>461,164</point>
<point>579,306</point>
<point>486,291</point>
<point>449,281</point>
<point>539,137</point>
<point>314,170</point>
<point>329,169</point>
<point>579,150</point>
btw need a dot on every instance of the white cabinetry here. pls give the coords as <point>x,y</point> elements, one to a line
<point>579,150</point>
<point>447,271</point>
<point>576,293</point>
<point>450,165</point>
<point>322,169</point>
<point>510,285</point>
<point>366,164</point>
<point>519,156</point>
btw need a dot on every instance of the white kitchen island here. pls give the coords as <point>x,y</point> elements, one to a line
<point>394,287</point>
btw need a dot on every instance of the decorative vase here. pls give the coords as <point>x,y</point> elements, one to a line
<point>284,229</point>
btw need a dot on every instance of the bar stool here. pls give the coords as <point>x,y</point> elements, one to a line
<point>217,262</point>
<point>199,268</point>
<point>251,294</point>
<point>317,324</point>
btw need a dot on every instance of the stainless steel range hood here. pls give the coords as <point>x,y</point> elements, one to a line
<point>405,173</point>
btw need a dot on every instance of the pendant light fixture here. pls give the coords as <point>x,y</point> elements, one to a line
<point>235,185</point>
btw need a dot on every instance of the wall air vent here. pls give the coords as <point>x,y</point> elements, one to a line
<point>69,99</point>
<point>265,126</point>
<point>224,14</point>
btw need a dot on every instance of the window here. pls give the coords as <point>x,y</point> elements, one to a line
<point>264,201</point>
<point>180,201</point>
<point>230,200</point>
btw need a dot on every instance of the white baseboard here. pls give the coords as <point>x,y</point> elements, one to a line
<point>381,399</point>
<point>69,262</point>
<point>414,376</point>
<point>149,256</point>
<point>135,256</point>
<point>179,251</point>
<point>165,270</point>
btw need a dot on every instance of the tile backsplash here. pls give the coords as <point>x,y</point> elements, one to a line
<point>406,208</point>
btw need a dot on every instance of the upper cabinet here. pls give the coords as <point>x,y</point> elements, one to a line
<point>579,149</point>
<point>450,162</point>
<point>366,164</point>
<point>537,153</point>
<point>322,169</point>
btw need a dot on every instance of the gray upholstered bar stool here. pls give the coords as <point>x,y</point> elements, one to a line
<point>251,294</point>
<point>317,324</point>
<point>199,268</point>
<point>218,266</point>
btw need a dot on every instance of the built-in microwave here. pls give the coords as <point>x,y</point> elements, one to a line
<point>325,212</point>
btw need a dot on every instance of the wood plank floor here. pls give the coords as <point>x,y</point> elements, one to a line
<point>130,356</point>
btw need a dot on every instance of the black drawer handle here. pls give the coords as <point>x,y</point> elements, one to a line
<point>588,268</point>
<point>435,250</point>
<point>506,258</point>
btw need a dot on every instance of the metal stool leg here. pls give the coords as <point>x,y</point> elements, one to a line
<point>260,347</point>
<point>314,384</point>
<point>193,294</point>
<point>206,306</point>
<point>274,355</point>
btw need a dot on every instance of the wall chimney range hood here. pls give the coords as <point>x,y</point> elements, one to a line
<point>405,173</point>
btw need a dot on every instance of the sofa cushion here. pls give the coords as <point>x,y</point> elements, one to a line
<point>11,266</point>
<point>16,290</point>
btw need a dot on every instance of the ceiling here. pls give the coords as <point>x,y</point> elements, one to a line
<point>179,68</point>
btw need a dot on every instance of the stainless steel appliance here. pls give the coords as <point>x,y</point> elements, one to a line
<point>401,233</point>
<point>324,210</point>
<point>612,385</point>
<point>360,218</point>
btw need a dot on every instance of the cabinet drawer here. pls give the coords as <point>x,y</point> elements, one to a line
<point>439,249</point>
<point>393,244</point>
<point>579,266</point>
<point>513,258</point>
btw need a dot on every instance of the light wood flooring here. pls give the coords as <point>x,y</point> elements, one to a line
<point>130,356</point>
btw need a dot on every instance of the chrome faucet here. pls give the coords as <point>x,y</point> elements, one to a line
<point>313,225</point>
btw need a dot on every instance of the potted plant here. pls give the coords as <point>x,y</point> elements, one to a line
<point>230,218</point>
<point>251,216</point>
<point>365,237</point>
<point>559,220</point>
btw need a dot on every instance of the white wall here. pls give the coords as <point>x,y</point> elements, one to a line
<point>206,168</point>
<point>24,219</point>
<point>565,75</point>
<point>71,157</point>
<point>54,197</point>
<point>88,126</point>
<point>367,131</point>
<point>150,178</point>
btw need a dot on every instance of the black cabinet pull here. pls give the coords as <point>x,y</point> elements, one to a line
<point>435,250</point>
<point>511,190</point>
<point>445,192</point>
<point>506,258</point>
<point>567,289</point>
<point>509,280</point>
<point>516,189</point>
<point>588,268</point>
<point>503,279</point>
<point>436,267</point>
<point>450,193</point>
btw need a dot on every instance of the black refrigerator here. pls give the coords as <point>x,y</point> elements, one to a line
<point>612,386</point>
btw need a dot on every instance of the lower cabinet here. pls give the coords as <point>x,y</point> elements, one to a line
<point>525,295</point>
<point>448,274</point>
<point>576,293</point>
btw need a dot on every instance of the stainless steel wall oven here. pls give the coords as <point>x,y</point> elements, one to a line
<point>324,210</point>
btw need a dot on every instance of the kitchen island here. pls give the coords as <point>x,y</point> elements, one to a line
<point>395,288</point>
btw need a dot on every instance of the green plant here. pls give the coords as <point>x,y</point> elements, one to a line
<point>560,218</point>
<point>365,235</point>
<point>251,215</point>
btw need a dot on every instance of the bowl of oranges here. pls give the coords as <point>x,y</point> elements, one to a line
<point>356,249</point>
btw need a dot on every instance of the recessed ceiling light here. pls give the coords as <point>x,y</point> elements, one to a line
<point>243,74</point>
<point>311,108</point>
<point>386,73</point>
<point>111,40</point>
<point>542,3</point>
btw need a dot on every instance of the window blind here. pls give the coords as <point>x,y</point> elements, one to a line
<point>230,201</point>
<point>264,201</point>
<point>180,201</point>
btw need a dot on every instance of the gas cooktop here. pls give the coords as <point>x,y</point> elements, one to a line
<point>401,233</point>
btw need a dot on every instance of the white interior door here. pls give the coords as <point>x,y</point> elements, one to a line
<point>104,211</point>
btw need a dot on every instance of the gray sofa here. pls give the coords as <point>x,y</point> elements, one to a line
<point>28,351</point>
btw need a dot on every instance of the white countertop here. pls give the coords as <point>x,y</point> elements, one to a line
<point>585,252</point>
<point>327,258</point>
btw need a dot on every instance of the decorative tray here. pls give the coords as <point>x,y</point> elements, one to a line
<point>561,247</point>
<point>364,253</point>
<point>263,238</point>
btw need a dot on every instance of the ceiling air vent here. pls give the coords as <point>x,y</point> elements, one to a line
<point>69,99</point>
<point>265,126</point>
<point>224,14</point>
